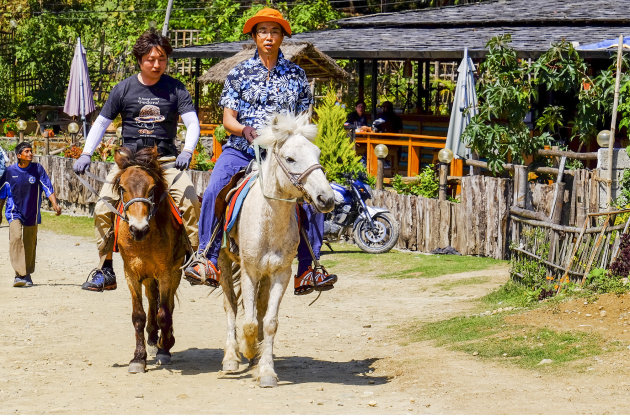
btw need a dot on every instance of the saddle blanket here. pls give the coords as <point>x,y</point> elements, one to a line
<point>236,202</point>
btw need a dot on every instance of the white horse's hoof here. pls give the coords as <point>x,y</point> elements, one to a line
<point>152,350</point>
<point>268,382</point>
<point>162,359</point>
<point>136,367</point>
<point>230,366</point>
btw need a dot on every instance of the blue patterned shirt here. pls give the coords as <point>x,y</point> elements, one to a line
<point>247,91</point>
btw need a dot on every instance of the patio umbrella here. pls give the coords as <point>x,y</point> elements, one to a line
<point>79,100</point>
<point>464,107</point>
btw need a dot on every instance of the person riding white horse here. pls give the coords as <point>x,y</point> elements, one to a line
<point>291,172</point>
<point>265,84</point>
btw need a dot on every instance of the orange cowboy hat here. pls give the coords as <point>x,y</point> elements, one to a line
<point>267,15</point>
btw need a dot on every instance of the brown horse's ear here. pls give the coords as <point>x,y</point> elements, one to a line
<point>121,157</point>
<point>154,152</point>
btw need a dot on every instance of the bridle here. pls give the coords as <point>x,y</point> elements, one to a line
<point>296,178</point>
<point>150,201</point>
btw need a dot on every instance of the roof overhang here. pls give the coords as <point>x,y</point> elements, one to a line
<point>395,43</point>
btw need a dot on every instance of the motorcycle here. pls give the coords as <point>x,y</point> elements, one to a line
<point>373,229</point>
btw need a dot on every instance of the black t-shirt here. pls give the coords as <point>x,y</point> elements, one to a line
<point>148,112</point>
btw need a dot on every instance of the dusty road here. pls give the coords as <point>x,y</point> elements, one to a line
<point>65,351</point>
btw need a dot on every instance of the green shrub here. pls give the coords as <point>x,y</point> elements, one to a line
<point>338,155</point>
<point>427,185</point>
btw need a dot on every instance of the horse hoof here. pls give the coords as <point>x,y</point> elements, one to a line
<point>230,366</point>
<point>162,359</point>
<point>136,367</point>
<point>152,350</point>
<point>268,382</point>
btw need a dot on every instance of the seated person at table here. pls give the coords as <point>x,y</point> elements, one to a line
<point>357,118</point>
<point>387,121</point>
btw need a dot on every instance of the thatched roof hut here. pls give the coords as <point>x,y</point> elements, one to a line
<point>315,63</point>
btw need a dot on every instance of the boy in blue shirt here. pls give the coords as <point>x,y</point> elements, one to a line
<point>21,188</point>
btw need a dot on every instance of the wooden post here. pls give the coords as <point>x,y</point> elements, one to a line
<point>374,86</point>
<point>613,123</point>
<point>520,186</point>
<point>379,174</point>
<point>443,181</point>
<point>361,97</point>
<point>556,215</point>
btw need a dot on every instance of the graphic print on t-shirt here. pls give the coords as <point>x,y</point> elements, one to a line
<point>149,115</point>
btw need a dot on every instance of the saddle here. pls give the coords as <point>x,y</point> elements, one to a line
<point>226,192</point>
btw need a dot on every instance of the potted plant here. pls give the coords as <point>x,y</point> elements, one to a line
<point>9,127</point>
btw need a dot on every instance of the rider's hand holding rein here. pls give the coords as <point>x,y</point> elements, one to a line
<point>232,125</point>
<point>82,164</point>
<point>91,143</point>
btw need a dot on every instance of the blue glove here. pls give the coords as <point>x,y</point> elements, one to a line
<point>82,164</point>
<point>183,160</point>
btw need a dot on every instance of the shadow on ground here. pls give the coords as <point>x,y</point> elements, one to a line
<point>293,369</point>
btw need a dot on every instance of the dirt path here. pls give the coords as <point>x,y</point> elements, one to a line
<point>65,351</point>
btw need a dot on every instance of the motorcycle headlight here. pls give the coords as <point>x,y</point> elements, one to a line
<point>366,190</point>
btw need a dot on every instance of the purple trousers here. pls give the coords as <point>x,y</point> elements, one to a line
<point>229,163</point>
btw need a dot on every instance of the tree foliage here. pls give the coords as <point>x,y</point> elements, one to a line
<point>507,91</point>
<point>337,151</point>
<point>46,33</point>
<point>499,132</point>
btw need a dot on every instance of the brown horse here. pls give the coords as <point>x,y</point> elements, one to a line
<point>150,243</point>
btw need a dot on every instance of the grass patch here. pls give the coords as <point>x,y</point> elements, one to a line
<point>528,347</point>
<point>448,285</point>
<point>490,337</point>
<point>400,265</point>
<point>510,294</point>
<point>68,225</point>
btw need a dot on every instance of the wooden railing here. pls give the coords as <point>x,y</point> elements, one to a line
<point>415,147</point>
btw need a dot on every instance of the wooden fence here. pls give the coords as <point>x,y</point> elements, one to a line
<point>78,200</point>
<point>478,225</point>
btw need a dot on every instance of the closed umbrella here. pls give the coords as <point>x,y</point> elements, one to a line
<point>464,107</point>
<point>79,100</point>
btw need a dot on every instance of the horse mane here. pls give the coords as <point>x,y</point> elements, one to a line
<point>282,126</point>
<point>147,160</point>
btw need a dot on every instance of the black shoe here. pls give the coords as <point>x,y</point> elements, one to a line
<point>102,279</point>
<point>20,281</point>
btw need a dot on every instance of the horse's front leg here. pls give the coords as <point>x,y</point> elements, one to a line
<point>266,374</point>
<point>249,344</point>
<point>138,318</point>
<point>167,285</point>
<point>152,294</point>
<point>231,356</point>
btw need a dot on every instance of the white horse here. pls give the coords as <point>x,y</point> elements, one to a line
<point>267,237</point>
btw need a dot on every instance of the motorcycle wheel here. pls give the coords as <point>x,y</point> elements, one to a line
<point>380,239</point>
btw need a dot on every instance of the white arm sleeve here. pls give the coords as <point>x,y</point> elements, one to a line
<point>95,135</point>
<point>192,130</point>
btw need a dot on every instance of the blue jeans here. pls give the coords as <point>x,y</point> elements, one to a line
<point>229,163</point>
<point>313,223</point>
